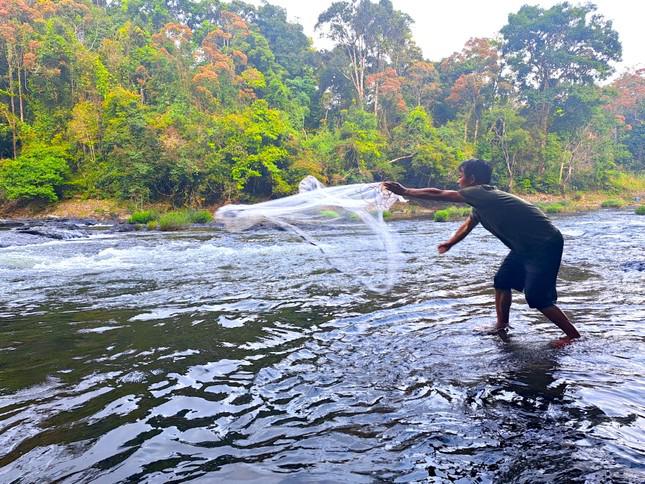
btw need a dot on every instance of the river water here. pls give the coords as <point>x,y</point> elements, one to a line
<point>207,356</point>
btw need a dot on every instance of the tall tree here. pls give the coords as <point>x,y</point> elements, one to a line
<point>551,50</point>
<point>474,76</point>
<point>371,35</point>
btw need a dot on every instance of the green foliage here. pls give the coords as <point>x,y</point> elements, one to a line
<point>200,216</point>
<point>175,220</point>
<point>152,225</point>
<point>640,210</point>
<point>361,147</point>
<point>37,174</point>
<point>612,203</point>
<point>254,145</point>
<point>554,207</point>
<point>130,150</point>
<point>143,217</point>
<point>180,219</point>
<point>451,213</point>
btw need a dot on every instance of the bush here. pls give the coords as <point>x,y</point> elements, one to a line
<point>451,213</point>
<point>200,216</point>
<point>441,216</point>
<point>143,217</point>
<point>152,225</point>
<point>611,203</point>
<point>38,173</point>
<point>176,220</point>
<point>640,210</point>
<point>555,207</point>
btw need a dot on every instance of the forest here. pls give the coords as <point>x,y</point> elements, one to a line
<point>195,103</point>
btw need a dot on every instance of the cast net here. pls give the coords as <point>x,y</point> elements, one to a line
<point>344,222</point>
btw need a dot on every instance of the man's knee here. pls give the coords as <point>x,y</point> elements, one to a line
<point>538,300</point>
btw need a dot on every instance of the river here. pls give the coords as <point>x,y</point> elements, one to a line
<point>207,356</point>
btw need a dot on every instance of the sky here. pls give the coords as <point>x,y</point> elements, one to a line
<point>442,27</point>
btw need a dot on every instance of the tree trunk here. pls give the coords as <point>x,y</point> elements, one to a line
<point>20,104</point>
<point>376,98</point>
<point>466,119</point>
<point>10,76</point>
<point>544,134</point>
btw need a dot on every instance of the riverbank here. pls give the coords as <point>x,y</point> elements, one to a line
<point>115,211</point>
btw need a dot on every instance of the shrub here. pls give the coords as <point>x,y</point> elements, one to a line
<point>612,203</point>
<point>38,173</point>
<point>640,210</point>
<point>200,216</point>
<point>176,220</point>
<point>152,225</point>
<point>556,207</point>
<point>143,217</point>
<point>451,213</point>
<point>441,216</point>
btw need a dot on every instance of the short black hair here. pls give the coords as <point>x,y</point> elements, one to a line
<point>478,169</point>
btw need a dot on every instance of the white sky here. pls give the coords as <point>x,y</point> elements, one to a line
<point>442,27</point>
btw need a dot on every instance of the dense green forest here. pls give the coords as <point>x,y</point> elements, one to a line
<point>200,102</point>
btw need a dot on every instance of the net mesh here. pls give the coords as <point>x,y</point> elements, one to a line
<point>344,222</point>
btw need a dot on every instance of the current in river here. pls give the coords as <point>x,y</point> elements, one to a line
<point>206,356</point>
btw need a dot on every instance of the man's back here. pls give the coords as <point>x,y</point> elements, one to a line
<point>520,225</point>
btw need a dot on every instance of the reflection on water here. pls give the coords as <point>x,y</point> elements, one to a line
<point>205,355</point>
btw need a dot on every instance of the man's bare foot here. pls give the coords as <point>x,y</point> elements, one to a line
<point>562,342</point>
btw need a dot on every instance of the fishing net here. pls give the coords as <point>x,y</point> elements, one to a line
<point>345,223</point>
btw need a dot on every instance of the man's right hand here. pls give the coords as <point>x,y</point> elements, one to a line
<point>395,187</point>
<point>444,247</point>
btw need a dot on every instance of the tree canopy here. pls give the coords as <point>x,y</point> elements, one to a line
<point>198,102</point>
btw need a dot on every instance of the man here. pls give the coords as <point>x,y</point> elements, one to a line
<point>536,245</point>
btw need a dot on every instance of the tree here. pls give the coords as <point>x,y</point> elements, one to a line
<point>549,51</point>
<point>130,150</point>
<point>473,76</point>
<point>431,161</point>
<point>253,143</point>
<point>627,105</point>
<point>421,84</point>
<point>370,36</point>
<point>84,128</point>
<point>505,139</point>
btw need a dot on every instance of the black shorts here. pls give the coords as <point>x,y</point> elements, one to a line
<point>534,274</point>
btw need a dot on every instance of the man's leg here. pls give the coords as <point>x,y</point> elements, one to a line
<point>503,299</point>
<point>560,319</point>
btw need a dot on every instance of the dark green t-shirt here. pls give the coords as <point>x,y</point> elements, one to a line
<point>520,225</point>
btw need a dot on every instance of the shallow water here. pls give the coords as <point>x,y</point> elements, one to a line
<point>205,356</point>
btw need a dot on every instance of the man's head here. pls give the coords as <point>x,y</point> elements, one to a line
<point>474,172</point>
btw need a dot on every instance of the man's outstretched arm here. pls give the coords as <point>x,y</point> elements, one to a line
<point>459,235</point>
<point>425,193</point>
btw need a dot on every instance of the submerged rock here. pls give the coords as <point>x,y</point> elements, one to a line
<point>58,230</point>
